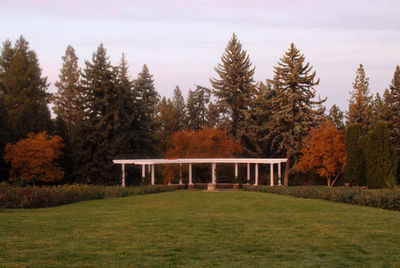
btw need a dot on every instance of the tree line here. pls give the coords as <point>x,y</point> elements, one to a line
<point>102,113</point>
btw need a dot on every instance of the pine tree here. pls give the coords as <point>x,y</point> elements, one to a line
<point>355,158</point>
<point>234,86</point>
<point>6,55</point>
<point>381,158</point>
<point>147,102</point>
<point>25,97</point>
<point>66,100</point>
<point>167,122</point>
<point>377,108</point>
<point>179,107</point>
<point>392,109</point>
<point>336,116</point>
<point>197,108</point>
<point>99,135</point>
<point>293,113</point>
<point>360,100</point>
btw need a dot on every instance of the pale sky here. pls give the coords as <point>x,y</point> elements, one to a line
<point>182,41</point>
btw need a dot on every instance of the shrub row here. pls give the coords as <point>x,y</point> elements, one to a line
<point>46,196</point>
<point>385,199</point>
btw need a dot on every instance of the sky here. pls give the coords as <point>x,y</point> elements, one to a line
<point>182,41</point>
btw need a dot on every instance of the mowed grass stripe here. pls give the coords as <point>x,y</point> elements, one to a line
<point>185,228</point>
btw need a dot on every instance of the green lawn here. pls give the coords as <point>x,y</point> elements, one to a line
<point>184,228</point>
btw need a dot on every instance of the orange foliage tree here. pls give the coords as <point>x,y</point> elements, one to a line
<point>32,158</point>
<point>204,143</point>
<point>323,149</point>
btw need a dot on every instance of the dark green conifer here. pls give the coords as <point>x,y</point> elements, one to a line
<point>25,97</point>
<point>293,105</point>
<point>197,108</point>
<point>355,158</point>
<point>381,158</point>
<point>234,86</point>
<point>179,109</point>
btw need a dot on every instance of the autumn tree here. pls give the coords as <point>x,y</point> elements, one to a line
<point>204,143</point>
<point>360,99</point>
<point>381,158</point>
<point>32,159</point>
<point>293,105</point>
<point>234,86</point>
<point>323,149</point>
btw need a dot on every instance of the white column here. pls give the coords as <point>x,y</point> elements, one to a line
<point>152,174</point>
<point>279,174</point>
<point>143,171</point>
<point>271,174</point>
<point>180,174</point>
<point>123,175</point>
<point>148,168</point>
<point>248,172</point>
<point>190,174</point>
<point>256,175</point>
<point>236,170</point>
<point>214,179</point>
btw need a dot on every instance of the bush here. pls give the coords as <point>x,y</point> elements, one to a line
<point>385,199</point>
<point>47,196</point>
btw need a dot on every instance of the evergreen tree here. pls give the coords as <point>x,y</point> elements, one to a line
<point>336,116</point>
<point>254,137</point>
<point>235,86</point>
<point>293,114</point>
<point>197,108</point>
<point>167,122</point>
<point>99,135</point>
<point>360,100</point>
<point>179,108</point>
<point>381,158</point>
<point>355,158</point>
<point>377,108</point>
<point>392,109</point>
<point>147,102</point>
<point>25,97</point>
<point>6,55</point>
<point>66,100</point>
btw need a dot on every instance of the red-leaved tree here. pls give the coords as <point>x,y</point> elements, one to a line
<point>32,158</point>
<point>323,149</point>
<point>204,143</point>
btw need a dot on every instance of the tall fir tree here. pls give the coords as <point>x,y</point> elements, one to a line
<point>197,108</point>
<point>355,158</point>
<point>360,100</point>
<point>25,93</point>
<point>147,102</point>
<point>234,86</point>
<point>336,116</point>
<point>392,109</point>
<point>167,122</point>
<point>294,113</point>
<point>377,108</point>
<point>381,158</point>
<point>99,135</point>
<point>67,99</point>
<point>179,109</point>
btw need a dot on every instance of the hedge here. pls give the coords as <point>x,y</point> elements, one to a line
<point>384,198</point>
<point>47,196</point>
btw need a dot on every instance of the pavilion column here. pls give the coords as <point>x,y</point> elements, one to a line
<point>123,175</point>
<point>214,177</point>
<point>143,171</point>
<point>271,174</point>
<point>256,175</point>
<point>180,174</point>
<point>236,170</point>
<point>248,172</point>
<point>190,174</point>
<point>279,174</point>
<point>152,174</point>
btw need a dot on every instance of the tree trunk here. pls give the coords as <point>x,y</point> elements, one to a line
<point>329,181</point>
<point>287,168</point>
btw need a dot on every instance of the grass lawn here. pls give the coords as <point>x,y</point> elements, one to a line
<point>182,228</point>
